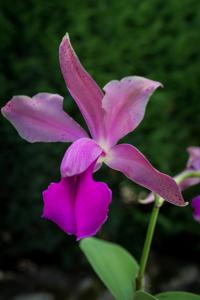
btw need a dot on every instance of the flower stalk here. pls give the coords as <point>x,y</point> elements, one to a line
<point>186,174</point>
<point>148,241</point>
<point>158,202</point>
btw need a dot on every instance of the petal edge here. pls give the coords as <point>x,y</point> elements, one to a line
<point>82,88</point>
<point>79,156</point>
<point>77,204</point>
<point>132,163</point>
<point>42,119</point>
<point>125,103</point>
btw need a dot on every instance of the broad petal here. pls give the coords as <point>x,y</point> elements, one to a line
<point>135,166</point>
<point>92,201</point>
<point>183,186</point>
<point>196,208</point>
<point>77,204</point>
<point>79,156</point>
<point>125,103</point>
<point>42,119</point>
<point>192,164</point>
<point>82,87</point>
<point>59,204</point>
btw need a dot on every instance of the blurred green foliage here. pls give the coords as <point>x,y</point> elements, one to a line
<point>152,38</point>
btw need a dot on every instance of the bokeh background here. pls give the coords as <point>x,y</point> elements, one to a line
<point>152,38</point>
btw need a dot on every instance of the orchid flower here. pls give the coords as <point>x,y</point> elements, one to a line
<point>78,204</point>
<point>196,208</point>
<point>193,164</point>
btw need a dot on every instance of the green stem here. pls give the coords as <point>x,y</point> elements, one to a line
<point>151,227</point>
<point>147,245</point>
<point>186,174</point>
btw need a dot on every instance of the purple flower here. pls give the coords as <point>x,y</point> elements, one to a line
<point>78,204</point>
<point>194,158</point>
<point>193,164</point>
<point>196,208</point>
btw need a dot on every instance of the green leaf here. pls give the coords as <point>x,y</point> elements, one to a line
<point>113,264</point>
<point>140,295</point>
<point>177,296</point>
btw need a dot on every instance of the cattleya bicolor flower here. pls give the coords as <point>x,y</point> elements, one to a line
<point>193,164</point>
<point>78,204</point>
<point>196,208</point>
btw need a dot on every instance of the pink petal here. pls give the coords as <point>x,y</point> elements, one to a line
<point>42,119</point>
<point>125,102</point>
<point>149,199</point>
<point>188,183</point>
<point>192,164</point>
<point>93,199</point>
<point>135,166</point>
<point>82,87</point>
<point>79,156</point>
<point>194,158</point>
<point>183,186</point>
<point>196,208</point>
<point>77,204</point>
<point>59,204</point>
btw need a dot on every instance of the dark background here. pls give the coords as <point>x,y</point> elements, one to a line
<point>113,39</point>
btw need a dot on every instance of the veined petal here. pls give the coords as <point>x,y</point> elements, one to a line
<point>192,164</point>
<point>125,103</point>
<point>196,208</point>
<point>82,87</point>
<point>42,119</point>
<point>77,204</point>
<point>135,166</point>
<point>182,185</point>
<point>79,156</point>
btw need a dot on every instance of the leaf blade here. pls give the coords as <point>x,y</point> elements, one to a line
<point>177,296</point>
<point>140,295</point>
<point>113,264</point>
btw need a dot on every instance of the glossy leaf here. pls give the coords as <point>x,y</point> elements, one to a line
<point>140,295</point>
<point>177,296</point>
<point>113,264</point>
